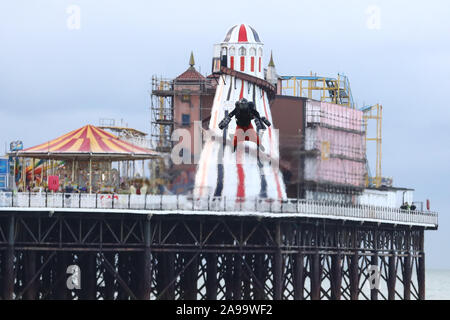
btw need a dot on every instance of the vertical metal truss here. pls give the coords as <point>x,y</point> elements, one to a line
<point>206,257</point>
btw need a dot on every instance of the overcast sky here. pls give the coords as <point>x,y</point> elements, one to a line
<point>56,77</point>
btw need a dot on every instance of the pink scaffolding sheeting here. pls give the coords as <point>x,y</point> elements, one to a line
<point>341,143</point>
<point>335,171</point>
<point>333,115</point>
<point>336,132</point>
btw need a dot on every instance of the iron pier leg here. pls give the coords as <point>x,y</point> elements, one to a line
<point>237,279</point>
<point>109,278</point>
<point>228,276</point>
<point>407,268</point>
<point>278,267</point>
<point>299,276</point>
<point>123,273</point>
<point>260,273</point>
<point>61,276</point>
<point>190,278</point>
<point>374,262</point>
<point>30,270</point>
<point>211,276</point>
<point>354,276</point>
<point>421,271</point>
<point>407,277</point>
<point>354,267</point>
<point>315,275</point>
<point>336,276</point>
<point>392,276</point>
<point>169,275</point>
<point>89,276</point>
<point>247,278</point>
<point>147,263</point>
<point>46,282</point>
<point>8,267</point>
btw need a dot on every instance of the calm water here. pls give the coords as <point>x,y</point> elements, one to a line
<point>437,284</point>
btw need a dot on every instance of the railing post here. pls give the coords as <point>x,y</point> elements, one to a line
<point>129,199</point>
<point>96,200</point>
<point>161,202</point>
<point>224,203</point>
<point>63,200</point>
<point>112,205</point>
<point>12,199</point>
<point>208,201</point>
<point>29,198</point>
<point>79,200</point>
<point>46,200</point>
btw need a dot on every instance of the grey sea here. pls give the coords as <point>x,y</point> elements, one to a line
<point>437,284</point>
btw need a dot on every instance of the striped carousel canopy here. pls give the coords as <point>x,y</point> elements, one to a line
<point>88,142</point>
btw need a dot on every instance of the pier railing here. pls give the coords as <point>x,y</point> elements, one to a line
<point>181,203</point>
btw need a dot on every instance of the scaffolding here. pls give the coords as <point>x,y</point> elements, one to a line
<point>121,130</point>
<point>375,112</point>
<point>333,90</point>
<point>161,128</point>
<point>161,114</point>
<point>163,122</point>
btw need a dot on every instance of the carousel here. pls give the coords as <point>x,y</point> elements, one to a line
<point>88,159</point>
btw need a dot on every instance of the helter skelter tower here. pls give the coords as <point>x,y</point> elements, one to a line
<point>249,172</point>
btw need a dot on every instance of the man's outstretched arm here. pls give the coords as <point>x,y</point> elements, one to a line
<point>224,123</point>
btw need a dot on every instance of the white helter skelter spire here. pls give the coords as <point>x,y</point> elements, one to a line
<point>222,172</point>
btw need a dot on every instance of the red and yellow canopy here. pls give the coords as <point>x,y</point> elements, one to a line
<point>88,141</point>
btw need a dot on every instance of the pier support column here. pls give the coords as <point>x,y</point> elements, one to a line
<point>374,262</point>
<point>246,281</point>
<point>123,267</point>
<point>147,263</point>
<point>169,275</point>
<point>407,268</point>
<point>211,276</point>
<point>190,277</point>
<point>237,277</point>
<point>260,273</point>
<point>407,277</point>
<point>109,278</point>
<point>392,276</point>
<point>315,275</point>
<point>299,276</point>
<point>421,268</point>
<point>89,276</point>
<point>354,267</point>
<point>61,290</point>
<point>8,263</point>
<point>354,276</point>
<point>336,276</point>
<point>30,271</point>
<point>277,266</point>
<point>228,276</point>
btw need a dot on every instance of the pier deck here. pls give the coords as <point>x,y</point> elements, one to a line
<point>135,247</point>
